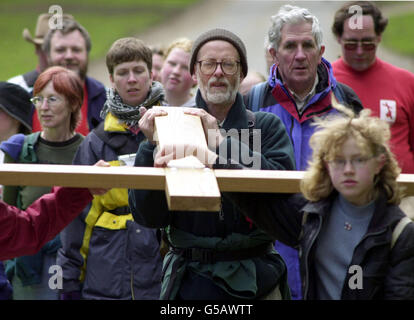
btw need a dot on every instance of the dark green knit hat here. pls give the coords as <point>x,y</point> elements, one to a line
<point>219,34</point>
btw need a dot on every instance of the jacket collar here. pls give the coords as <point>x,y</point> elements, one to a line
<point>320,102</point>
<point>381,218</point>
<point>236,118</point>
<point>113,124</point>
<point>321,207</point>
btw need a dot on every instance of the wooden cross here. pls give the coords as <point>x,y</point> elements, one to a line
<point>188,186</point>
<point>195,189</point>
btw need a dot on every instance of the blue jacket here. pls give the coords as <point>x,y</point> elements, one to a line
<point>105,254</point>
<point>96,99</point>
<point>278,100</point>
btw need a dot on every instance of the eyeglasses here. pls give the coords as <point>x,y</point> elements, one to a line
<point>356,163</point>
<point>208,67</point>
<point>51,101</point>
<point>367,45</point>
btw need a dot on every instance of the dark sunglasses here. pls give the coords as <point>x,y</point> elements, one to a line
<point>367,45</point>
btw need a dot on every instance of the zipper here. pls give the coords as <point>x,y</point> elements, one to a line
<point>132,285</point>
<point>221,212</point>
<point>291,130</point>
<point>306,258</point>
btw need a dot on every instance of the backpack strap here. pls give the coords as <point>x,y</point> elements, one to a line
<point>399,229</point>
<point>256,96</point>
<point>28,153</point>
<point>338,94</point>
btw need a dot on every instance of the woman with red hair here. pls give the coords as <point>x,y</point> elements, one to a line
<point>57,96</point>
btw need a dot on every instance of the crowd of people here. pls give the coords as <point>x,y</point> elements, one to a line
<point>348,124</point>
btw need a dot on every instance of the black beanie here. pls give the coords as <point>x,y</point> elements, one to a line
<point>15,101</point>
<point>219,34</point>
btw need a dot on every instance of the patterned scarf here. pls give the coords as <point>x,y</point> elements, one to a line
<point>130,114</point>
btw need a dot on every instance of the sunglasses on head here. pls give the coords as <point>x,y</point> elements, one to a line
<point>367,45</point>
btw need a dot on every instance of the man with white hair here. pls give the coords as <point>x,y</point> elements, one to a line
<point>301,87</point>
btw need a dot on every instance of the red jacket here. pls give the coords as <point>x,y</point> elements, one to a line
<point>25,232</point>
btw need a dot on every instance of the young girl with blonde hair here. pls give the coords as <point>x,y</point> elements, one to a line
<point>344,220</point>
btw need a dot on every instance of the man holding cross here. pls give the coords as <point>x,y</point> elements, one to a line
<point>217,255</point>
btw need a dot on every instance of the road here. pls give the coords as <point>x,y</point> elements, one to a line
<point>250,20</point>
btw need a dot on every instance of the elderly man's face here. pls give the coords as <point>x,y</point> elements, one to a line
<point>298,57</point>
<point>218,88</point>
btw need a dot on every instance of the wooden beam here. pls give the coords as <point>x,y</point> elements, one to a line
<point>186,188</point>
<point>178,127</point>
<point>259,180</point>
<point>407,182</point>
<point>82,176</point>
<point>154,178</point>
<point>192,189</point>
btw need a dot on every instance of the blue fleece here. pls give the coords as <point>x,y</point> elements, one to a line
<point>13,146</point>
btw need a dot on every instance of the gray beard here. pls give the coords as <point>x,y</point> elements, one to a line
<point>220,97</point>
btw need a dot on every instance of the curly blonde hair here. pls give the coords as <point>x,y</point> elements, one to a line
<point>371,134</point>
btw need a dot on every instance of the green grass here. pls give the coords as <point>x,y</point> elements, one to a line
<point>109,3</point>
<point>105,20</point>
<point>399,35</point>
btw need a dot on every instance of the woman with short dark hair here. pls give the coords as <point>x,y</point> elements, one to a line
<point>105,233</point>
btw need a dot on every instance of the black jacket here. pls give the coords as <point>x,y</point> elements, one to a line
<point>387,274</point>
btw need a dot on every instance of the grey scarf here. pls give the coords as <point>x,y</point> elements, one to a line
<point>130,114</point>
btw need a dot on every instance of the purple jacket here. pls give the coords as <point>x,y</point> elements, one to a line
<point>280,102</point>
